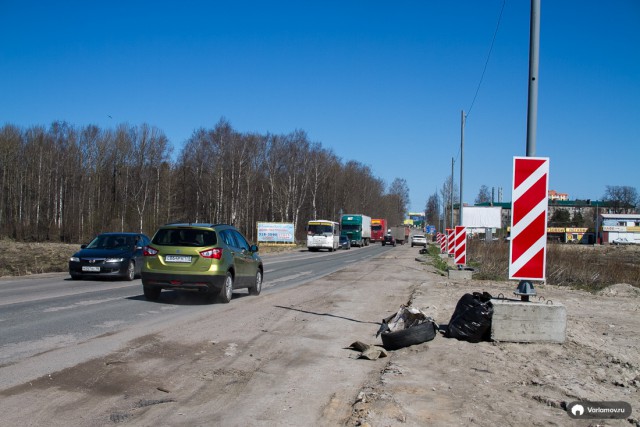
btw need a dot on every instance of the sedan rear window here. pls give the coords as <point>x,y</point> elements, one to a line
<point>185,237</point>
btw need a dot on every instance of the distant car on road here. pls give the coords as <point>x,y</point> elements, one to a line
<point>418,240</point>
<point>110,255</point>
<point>389,240</point>
<point>345,243</point>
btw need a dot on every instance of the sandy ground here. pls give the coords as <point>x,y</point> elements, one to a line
<point>283,360</point>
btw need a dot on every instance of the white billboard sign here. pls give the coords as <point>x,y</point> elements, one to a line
<point>276,232</point>
<point>482,216</point>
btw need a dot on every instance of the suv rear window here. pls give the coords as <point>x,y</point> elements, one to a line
<point>185,237</point>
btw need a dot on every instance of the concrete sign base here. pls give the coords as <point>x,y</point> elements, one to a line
<point>517,321</point>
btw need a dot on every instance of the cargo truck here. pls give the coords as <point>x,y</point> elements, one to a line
<point>400,233</point>
<point>357,228</point>
<point>378,229</point>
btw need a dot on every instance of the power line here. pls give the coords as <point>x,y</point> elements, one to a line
<point>504,2</point>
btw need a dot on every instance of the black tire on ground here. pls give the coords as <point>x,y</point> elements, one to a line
<point>257,287</point>
<point>76,276</point>
<point>151,293</point>
<point>226,293</point>
<point>415,335</point>
<point>131,272</point>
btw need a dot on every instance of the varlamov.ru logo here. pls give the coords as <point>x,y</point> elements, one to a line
<point>599,410</point>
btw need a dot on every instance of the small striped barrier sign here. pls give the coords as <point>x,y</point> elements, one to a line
<point>460,250</point>
<point>450,240</point>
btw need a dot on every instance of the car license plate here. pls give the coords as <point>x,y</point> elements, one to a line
<point>177,258</point>
<point>91,269</point>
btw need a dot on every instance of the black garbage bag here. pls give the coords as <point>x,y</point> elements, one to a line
<point>471,320</point>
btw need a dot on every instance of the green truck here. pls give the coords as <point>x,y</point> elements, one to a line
<point>357,228</point>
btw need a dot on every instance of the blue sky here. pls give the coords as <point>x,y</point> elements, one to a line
<point>383,83</point>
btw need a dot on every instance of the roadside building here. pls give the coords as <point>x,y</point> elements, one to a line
<point>583,217</point>
<point>554,195</point>
<point>620,228</point>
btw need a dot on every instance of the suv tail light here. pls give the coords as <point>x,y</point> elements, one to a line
<point>149,251</point>
<point>215,253</point>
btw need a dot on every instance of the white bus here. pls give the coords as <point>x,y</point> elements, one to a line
<point>323,234</point>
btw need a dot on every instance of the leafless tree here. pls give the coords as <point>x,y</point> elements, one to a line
<point>484,196</point>
<point>433,210</point>
<point>622,199</point>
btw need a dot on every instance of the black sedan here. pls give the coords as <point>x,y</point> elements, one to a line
<point>110,255</point>
<point>345,243</point>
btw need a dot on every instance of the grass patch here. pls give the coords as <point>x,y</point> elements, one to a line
<point>434,253</point>
<point>580,266</point>
<point>20,259</point>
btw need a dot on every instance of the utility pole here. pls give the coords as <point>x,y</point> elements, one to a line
<point>534,59</point>
<point>451,192</point>
<point>525,287</point>
<point>461,163</point>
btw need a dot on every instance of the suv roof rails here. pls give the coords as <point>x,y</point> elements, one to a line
<point>196,224</point>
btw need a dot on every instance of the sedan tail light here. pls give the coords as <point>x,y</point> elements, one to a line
<point>215,253</point>
<point>149,251</point>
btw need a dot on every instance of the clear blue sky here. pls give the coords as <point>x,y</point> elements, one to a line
<point>380,82</point>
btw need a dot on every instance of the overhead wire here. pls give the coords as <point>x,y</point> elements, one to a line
<point>484,70</point>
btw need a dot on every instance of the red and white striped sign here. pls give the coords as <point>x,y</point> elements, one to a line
<point>528,249</point>
<point>442,240</point>
<point>450,241</point>
<point>460,251</point>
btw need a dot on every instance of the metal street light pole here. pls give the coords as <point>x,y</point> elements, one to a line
<point>461,164</point>
<point>534,59</point>
<point>451,192</point>
<point>525,287</point>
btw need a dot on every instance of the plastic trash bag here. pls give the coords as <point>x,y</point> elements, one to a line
<point>471,319</point>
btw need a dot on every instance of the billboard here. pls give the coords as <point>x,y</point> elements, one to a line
<point>482,216</point>
<point>276,232</point>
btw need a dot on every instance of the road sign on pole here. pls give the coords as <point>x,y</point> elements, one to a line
<point>460,251</point>
<point>528,245</point>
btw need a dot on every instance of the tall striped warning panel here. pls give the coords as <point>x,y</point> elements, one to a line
<point>460,251</point>
<point>528,248</point>
<point>450,240</point>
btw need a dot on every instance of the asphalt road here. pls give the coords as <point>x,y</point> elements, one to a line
<point>51,312</point>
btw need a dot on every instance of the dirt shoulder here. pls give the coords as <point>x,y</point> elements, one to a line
<point>282,359</point>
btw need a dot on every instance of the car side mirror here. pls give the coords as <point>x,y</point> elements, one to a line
<point>83,246</point>
<point>253,248</point>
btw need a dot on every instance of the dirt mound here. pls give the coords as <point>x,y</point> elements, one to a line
<point>620,290</point>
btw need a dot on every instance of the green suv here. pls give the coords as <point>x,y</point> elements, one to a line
<point>213,259</point>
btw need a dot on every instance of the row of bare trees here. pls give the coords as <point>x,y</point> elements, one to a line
<point>66,183</point>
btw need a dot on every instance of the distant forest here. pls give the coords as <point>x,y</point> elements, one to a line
<point>68,183</point>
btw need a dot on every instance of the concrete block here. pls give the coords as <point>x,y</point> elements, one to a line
<point>517,321</point>
<point>456,274</point>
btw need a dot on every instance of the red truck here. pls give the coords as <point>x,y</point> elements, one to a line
<point>378,229</point>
